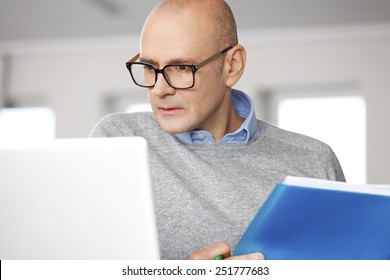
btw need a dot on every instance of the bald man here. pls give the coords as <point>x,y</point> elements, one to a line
<point>213,163</point>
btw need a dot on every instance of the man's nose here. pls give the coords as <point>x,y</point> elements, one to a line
<point>162,87</point>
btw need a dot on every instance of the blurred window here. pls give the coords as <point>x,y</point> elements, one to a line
<point>26,124</point>
<point>339,121</point>
<point>138,107</point>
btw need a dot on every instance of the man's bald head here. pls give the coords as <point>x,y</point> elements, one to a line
<point>189,32</point>
<point>218,12</point>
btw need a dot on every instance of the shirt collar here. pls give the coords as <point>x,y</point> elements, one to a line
<point>245,109</point>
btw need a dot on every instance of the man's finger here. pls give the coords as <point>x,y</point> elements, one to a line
<point>210,252</point>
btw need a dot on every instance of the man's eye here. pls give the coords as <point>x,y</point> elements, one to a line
<point>148,68</point>
<point>182,68</point>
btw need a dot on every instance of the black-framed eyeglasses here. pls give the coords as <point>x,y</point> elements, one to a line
<point>178,76</point>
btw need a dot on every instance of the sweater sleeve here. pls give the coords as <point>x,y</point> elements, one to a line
<point>335,171</point>
<point>112,125</point>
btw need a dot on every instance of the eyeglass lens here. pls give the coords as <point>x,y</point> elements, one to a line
<point>178,76</point>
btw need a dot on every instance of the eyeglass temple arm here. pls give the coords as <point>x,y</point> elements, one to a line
<point>203,63</point>
<point>134,58</point>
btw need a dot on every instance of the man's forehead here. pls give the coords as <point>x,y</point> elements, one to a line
<point>170,38</point>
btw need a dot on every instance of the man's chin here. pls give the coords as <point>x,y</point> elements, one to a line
<point>172,127</point>
<point>174,124</point>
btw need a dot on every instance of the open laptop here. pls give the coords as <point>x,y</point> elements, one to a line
<point>77,199</point>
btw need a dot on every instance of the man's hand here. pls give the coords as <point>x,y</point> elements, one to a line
<point>222,249</point>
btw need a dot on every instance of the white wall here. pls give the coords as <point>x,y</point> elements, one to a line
<point>362,62</point>
<point>73,81</point>
<point>76,77</point>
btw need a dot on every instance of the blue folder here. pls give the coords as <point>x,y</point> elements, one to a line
<point>304,223</point>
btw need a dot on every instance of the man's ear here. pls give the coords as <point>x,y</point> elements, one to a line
<point>235,65</point>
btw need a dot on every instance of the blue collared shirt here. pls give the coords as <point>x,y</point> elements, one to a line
<point>249,128</point>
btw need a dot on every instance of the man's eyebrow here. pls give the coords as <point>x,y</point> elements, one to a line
<point>182,60</point>
<point>147,60</point>
<point>178,60</point>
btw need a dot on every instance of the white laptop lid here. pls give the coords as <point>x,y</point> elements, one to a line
<point>77,199</point>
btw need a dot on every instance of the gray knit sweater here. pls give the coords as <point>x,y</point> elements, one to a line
<point>206,193</point>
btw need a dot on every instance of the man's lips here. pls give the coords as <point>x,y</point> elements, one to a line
<point>170,110</point>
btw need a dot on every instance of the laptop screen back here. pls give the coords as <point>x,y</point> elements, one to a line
<point>77,199</point>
